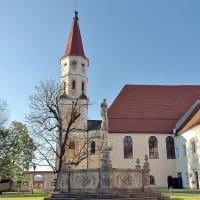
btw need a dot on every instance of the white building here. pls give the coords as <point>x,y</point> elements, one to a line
<point>161,121</point>
<point>157,120</point>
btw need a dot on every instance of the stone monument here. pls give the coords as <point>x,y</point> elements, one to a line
<point>105,162</point>
<point>105,182</point>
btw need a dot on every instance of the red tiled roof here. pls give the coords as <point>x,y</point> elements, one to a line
<point>150,108</point>
<point>74,44</point>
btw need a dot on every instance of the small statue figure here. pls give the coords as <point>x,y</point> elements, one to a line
<point>104,109</point>
<point>104,124</point>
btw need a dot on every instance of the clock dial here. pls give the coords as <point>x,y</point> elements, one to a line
<point>74,62</point>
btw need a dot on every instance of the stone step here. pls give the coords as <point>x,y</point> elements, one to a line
<point>88,196</point>
<point>119,198</point>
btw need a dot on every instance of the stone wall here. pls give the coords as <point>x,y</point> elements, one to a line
<point>105,180</point>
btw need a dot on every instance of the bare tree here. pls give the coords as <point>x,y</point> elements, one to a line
<point>47,126</point>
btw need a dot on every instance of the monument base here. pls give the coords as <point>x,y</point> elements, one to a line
<point>106,183</point>
<point>109,196</point>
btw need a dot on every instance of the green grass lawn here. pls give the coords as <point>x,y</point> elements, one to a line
<point>23,196</point>
<point>181,197</point>
<point>181,194</point>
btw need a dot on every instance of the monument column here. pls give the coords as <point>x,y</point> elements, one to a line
<point>105,162</point>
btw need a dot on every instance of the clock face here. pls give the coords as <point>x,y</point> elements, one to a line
<point>74,62</point>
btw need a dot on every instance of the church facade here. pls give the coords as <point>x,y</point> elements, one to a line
<point>158,120</point>
<point>162,122</point>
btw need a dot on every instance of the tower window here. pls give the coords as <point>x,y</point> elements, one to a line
<point>64,86</point>
<point>73,85</point>
<point>128,147</point>
<point>83,87</point>
<point>92,147</point>
<point>153,147</point>
<point>71,145</point>
<point>83,69</point>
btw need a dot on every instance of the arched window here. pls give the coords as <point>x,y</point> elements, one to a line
<point>128,147</point>
<point>73,84</point>
<point>152,180</point>
<point>71,145</point>
<point>64,86</point>
<point>170,147</point>
<point>92,147</point>
<point>153,147</point>
<point>83,87</point>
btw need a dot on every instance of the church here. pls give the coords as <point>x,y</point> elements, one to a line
<point>161,121</point>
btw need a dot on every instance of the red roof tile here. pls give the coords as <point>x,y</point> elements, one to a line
<point>74,44</point>
<point>150,108</point>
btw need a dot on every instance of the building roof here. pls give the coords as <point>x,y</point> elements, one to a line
<point>150,108</point>
<point>94,125</point>
<point>74,44</point>
<point>190,119</point>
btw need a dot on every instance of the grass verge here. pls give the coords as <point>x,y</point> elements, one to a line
<point>182,197</point>
<point>23,196</point>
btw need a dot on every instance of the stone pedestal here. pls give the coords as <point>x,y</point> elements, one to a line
<point>104,180</point>
<point>145,171</point>
<point>105,162</point>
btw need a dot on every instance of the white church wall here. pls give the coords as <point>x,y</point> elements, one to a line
<point>160,168</point>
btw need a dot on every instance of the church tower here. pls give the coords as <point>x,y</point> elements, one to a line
<point>74,79</point>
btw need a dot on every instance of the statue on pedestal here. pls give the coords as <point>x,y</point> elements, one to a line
<point>104,124</point>
<point>104,109</point>
<point>105,154</point>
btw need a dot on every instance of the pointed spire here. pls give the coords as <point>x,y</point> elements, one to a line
<point>74,44</point>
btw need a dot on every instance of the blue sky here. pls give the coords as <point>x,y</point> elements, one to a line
<point>126,41</point>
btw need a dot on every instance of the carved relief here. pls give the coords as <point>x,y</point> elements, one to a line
<point>126,179</point>
<point>85,179</point>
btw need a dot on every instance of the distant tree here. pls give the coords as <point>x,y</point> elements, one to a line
<point>3,112</point>
<point>47,128</point>
<point>16,151</point>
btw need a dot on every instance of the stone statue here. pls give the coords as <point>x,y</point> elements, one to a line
<point>104,128</point>
<point>104,109</point>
